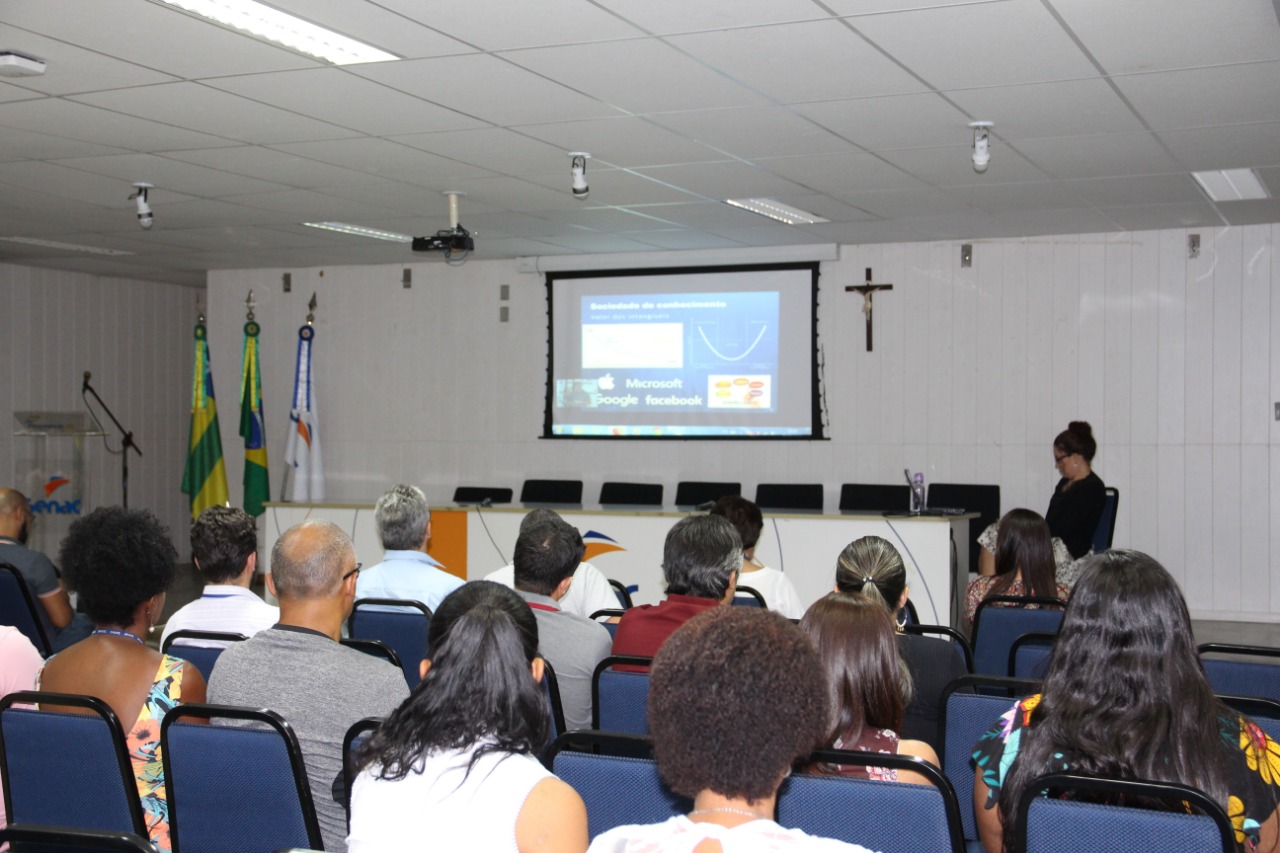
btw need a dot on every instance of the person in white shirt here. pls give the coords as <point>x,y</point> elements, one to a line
<point>776,588</point>
<point>224,548</point>
<point>590,591</point>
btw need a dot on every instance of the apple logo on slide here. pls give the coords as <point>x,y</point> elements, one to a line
<point>605,383</point>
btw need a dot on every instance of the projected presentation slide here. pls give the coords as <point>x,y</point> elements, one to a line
<point>683,353</point>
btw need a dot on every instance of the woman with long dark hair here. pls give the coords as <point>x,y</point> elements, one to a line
<point>454,767</point>
<point>872,567</point>
<point>868,683</point>
<point>1024,563</point>
<point>1125,696</point>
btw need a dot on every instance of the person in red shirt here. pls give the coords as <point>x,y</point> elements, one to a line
<point>700,562</point>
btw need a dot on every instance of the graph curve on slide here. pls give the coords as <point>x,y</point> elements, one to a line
<point>719,354</point>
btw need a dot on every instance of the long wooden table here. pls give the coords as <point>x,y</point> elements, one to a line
<point>626,544</point>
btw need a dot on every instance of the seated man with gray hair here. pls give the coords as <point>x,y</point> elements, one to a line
<point>298,669</point>
<point>701,559</point>
<point>406,572</point>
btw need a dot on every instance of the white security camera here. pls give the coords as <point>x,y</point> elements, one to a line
<point>578,170</point>
<point>981,144</point>
<point>145,218</point>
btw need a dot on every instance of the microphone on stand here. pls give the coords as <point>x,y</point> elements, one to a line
<point>85,386</point>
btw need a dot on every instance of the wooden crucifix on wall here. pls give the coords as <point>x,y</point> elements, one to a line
<point>868,291</point>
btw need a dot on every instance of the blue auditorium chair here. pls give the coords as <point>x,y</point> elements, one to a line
<point>198,651</point>
<point>1258,677</point>
<point>619,700</point>
<point>18,608</point>
<point>1002,619</point>
<point>400,624</point>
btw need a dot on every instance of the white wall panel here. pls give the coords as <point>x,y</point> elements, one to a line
<point>974,372</point>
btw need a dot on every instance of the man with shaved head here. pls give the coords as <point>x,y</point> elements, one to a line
<point>298,669</point>
<point>60,622</point>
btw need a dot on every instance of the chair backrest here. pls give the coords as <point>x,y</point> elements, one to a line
<point>619,700</point>
<point>611,627</point>
<point>621,592</point>
<point>967,713</point>
<point>853,810</point>
<point>957,639</point>
<point>746,596</point>
<point>551,492</point>
<point>982,499</point>
<point>1259,677</point>
<point>27,838</point>
<point>631,494</point>
<point>18,608</point>
<point>374,649</point>
<point>551,692</point>
<point>694,492</point>
<point>1001,619</point>
<point>1105,532</point>
<point>1029,655</point>
<point>789,495</point>
<point>617,788</point>
<point>869,497</point>
<point>216,775</point>
<point>403,629</point>
<point>1054,825</point>
<point>90,786</point>
<point>355,737</point>
<point>480,494</point>
<point>200,648</point>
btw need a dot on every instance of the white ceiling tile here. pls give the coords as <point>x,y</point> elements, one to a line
<point>495,149</point>
<point>855,232</point>
<point>609,220</point>
<point>1177,188</point>
<point>583,241</point>
<point>714,180</point>
<point>895,121</point>
<point>705,215</point>
<point>751,132</point>
<point>514,194</point>
<point>198,213</point>
<point>500,24</point>
<point>778,234</point>
<point>308,205</point>
<point>627,141</point>
<point>397,197</point>
<point>619,187</point>
<point>969,225</point>
<point>73,69</point>
<point>199,108</point>
<point>952,166</point>
<point>1253,212</point>
<point>67,183</point>
<point>403,28</point>
<point>839,173</point>
<point>158,37</point>
<point>664,17</point>
<point>1153,216</point>
<point>1095,156</point>
<point>18,144</point>
<point>1057,221</point>
<point>607,72</point>
<point>345,100</point>
<point>1019,197</point>
<point>486,87</point>
<point>10,92</point>
<point>685,239</point>
<point>1233,147</point>
<point>1146,35</point>
<point>892,204</point>
<point>991,44</point>
<point>837,210</point>
<point>1063,108</point>
<point>170,175</point>
<point>384,159</point>
<point>1201,97</point>
<point>267,164</point>
<point>59,117</point>
<point>834,62</point>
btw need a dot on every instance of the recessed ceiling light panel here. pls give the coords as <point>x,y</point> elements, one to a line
<point>361,231</point>
<point>264,22</point>
<point>66,247</point>
<point>1231,185</point>
<point>776,210</point>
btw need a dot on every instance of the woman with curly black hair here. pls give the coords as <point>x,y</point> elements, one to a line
<point>736,696</point>
<point>454,767</point>
<point>121,562</point>
<point>1125,696</point>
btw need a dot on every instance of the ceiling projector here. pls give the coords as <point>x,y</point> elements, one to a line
<point>455,241</point>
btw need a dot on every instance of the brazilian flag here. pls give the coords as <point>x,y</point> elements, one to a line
<point>257,490</point>
<point>205,477</point>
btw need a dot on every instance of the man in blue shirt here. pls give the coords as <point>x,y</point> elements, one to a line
<point>406,571</point>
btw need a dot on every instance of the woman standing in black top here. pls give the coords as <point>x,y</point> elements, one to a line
<point>1074,509</point>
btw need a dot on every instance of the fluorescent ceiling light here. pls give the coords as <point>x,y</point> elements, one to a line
<point>69,247</point>
<point>1231,184</point>
<point>361,231</point>
<point>776,210</point>
<point>262,21</point>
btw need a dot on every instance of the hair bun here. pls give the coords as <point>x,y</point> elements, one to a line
<point>1081,428</point>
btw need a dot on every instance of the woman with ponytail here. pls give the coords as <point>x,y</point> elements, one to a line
<point>454,767</point>
<point>873,567</point>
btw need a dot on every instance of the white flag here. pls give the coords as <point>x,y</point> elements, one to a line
<point>302,451</point>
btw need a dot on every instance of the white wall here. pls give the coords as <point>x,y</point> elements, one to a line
<point>135,336</point>
<point>974,372</point>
